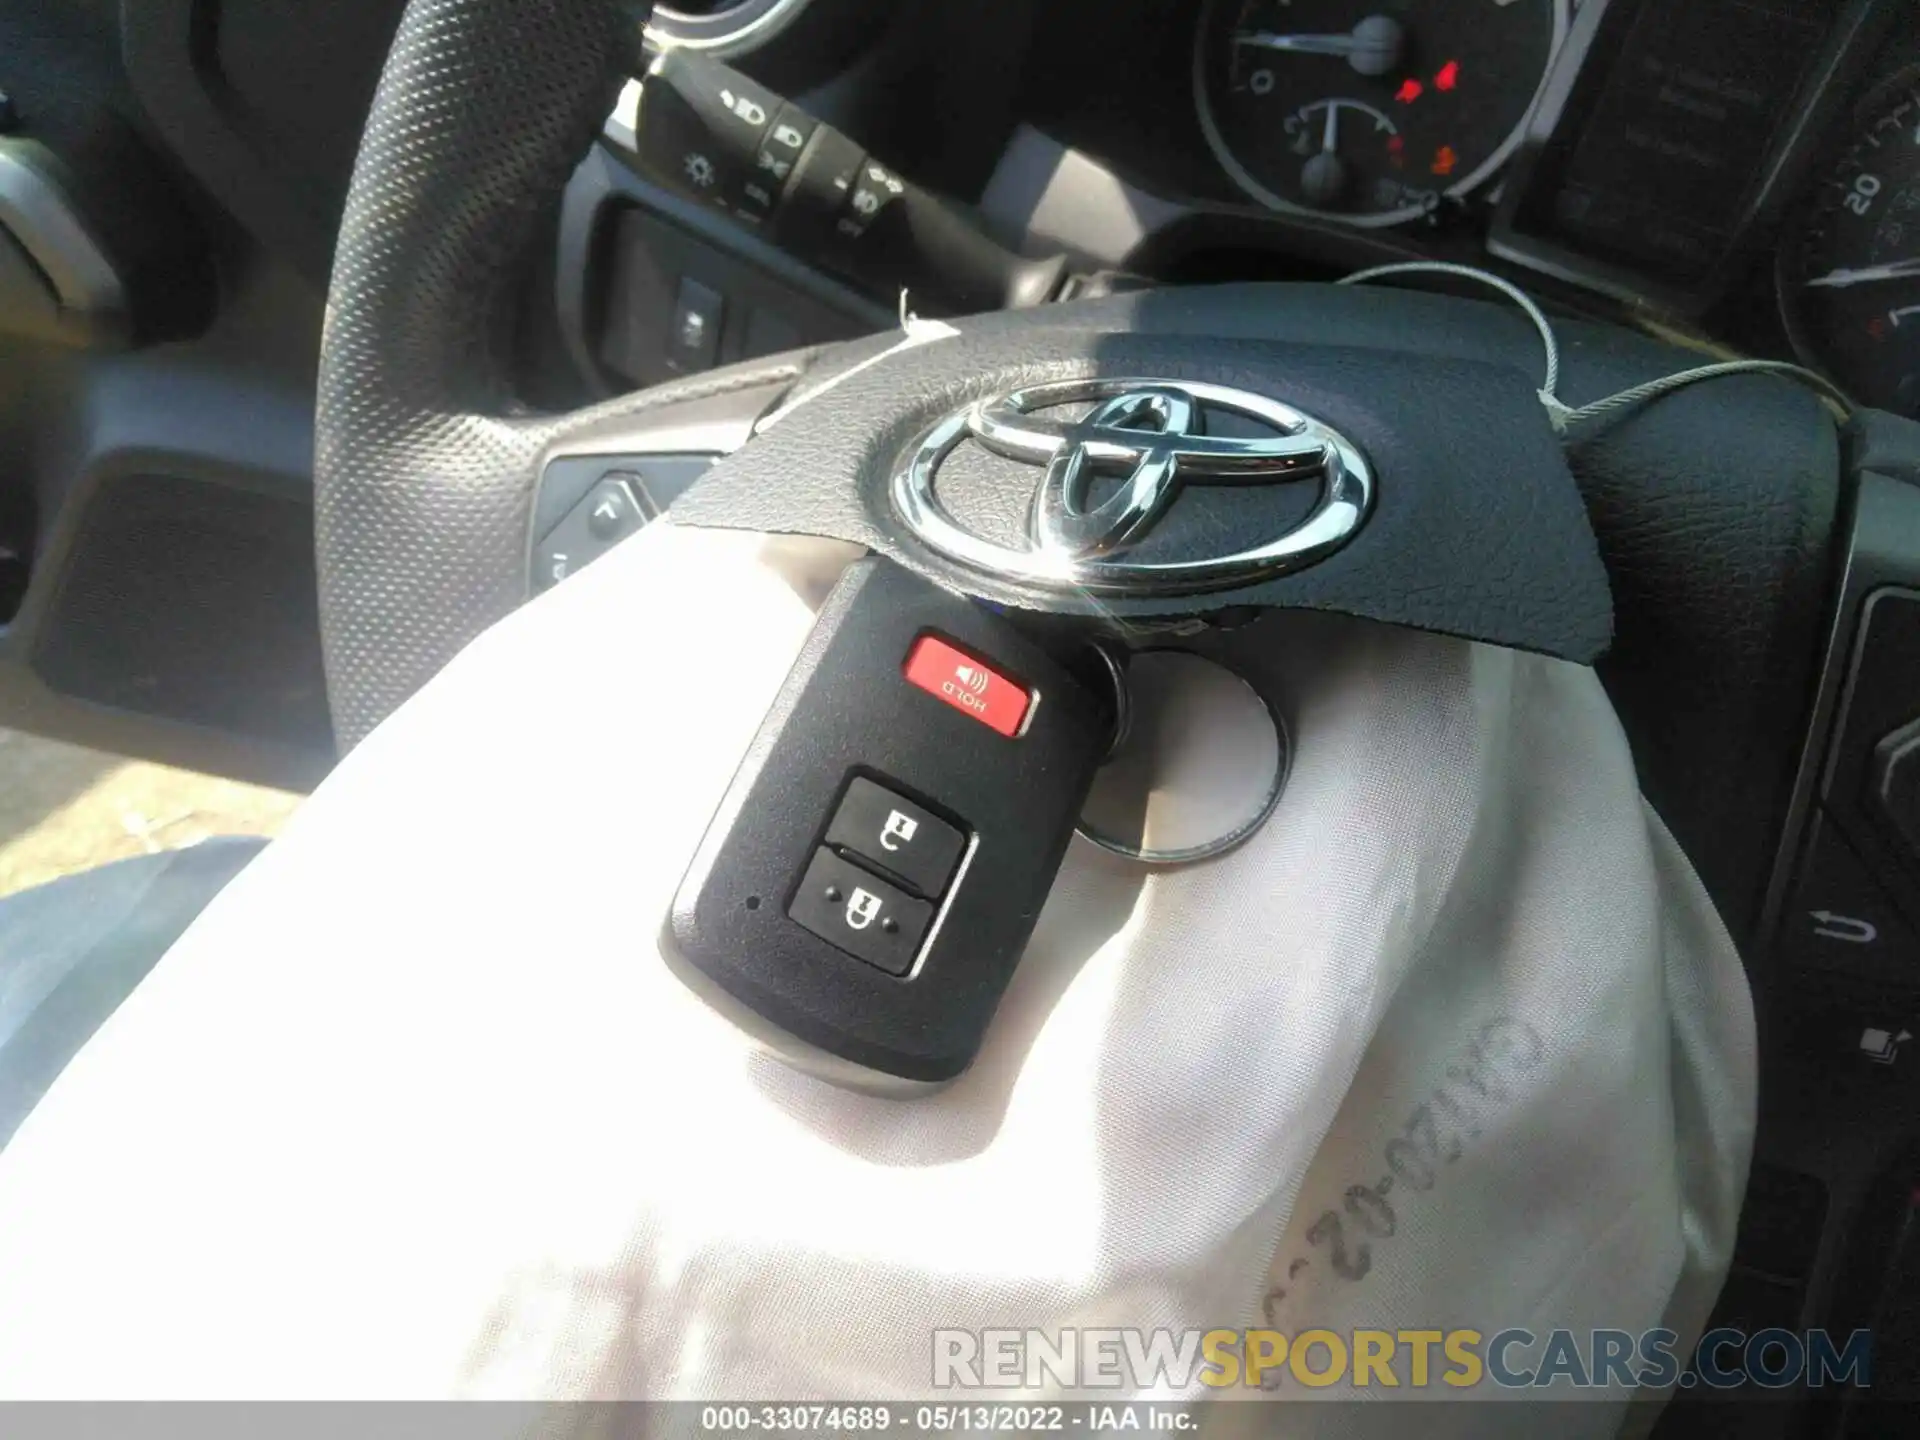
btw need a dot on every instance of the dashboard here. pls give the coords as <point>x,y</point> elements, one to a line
<point>1746,172</point>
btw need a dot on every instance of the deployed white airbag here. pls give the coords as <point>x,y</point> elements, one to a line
<point>415,1109</point>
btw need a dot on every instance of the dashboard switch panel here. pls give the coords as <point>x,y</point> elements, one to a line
<point>693,339</point>
<point>656,278</point>
<point>868,883</point>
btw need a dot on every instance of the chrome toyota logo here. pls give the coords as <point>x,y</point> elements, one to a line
<point>1149,439</point>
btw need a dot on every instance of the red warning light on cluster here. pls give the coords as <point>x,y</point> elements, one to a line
<point>1447,77</point>
<point>1410,90</point>
<point>1444,160</point>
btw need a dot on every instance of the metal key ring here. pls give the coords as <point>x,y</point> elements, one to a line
<point>1124,710</point>
<point>1122,699</point>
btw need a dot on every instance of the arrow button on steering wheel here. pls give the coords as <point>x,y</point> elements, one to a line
<point>1843,919</point>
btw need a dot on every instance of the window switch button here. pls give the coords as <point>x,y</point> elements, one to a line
<point>899,836</point>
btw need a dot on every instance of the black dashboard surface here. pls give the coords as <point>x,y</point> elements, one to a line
<point>1668,161</point>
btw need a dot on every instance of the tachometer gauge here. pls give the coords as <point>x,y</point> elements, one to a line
<point>1851,279</point>
<point>1369,112</point>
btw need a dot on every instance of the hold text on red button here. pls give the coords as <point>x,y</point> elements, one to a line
<point>964,683</point>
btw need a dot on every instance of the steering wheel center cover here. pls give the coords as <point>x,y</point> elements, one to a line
<point>1052,469</point>
<point>1149,437</point>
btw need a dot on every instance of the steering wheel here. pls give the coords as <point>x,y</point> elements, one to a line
<point>1714,509</point>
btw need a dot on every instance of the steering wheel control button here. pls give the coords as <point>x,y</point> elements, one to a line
<point>967,684</point>
<point>654,481</point>
<point>693,339</point>
<point>1841,918</point>
<point>612,511</point>
<point>904,839</point>
<point>1896,785</point>
<point>868,821</point>
<point>1873,774</point>
<point>606,515</point>
<point>858,912</point>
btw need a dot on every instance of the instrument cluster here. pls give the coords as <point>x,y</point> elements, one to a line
<point>1849,271</point>
<point>1696,162</point>
<point>1374,113</point>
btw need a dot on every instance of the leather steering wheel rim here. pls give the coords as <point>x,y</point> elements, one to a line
<point>423,471</point>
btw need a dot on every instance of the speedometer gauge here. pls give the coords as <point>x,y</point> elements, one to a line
<point>1369,112</point>
<point>1851,281</point>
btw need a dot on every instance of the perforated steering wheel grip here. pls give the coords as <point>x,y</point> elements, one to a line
<point>423,473</point>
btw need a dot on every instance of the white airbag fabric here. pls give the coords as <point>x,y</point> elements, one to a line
<point>416,1110</point>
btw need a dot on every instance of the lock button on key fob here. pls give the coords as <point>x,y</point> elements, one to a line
<point>860,913</point>
<point>866,887</point>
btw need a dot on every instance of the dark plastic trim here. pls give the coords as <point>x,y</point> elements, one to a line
<point>600,187</point>
<point>167,48</point>
<point>1883,550</point>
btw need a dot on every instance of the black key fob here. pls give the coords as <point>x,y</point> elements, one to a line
<point>865,890</point>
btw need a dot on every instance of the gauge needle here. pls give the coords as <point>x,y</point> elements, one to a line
<point>1299,44</point>
<point>1324,177</point>
<point>1372,47</point>
<point>1892,270</point>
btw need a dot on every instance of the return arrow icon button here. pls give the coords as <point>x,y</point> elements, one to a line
<point>1829,926</point>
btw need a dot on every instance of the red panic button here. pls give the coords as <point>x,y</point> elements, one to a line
<point>964,683</point>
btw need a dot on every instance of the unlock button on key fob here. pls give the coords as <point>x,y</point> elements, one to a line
<point>897,835</point>
<point>860,913</point>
